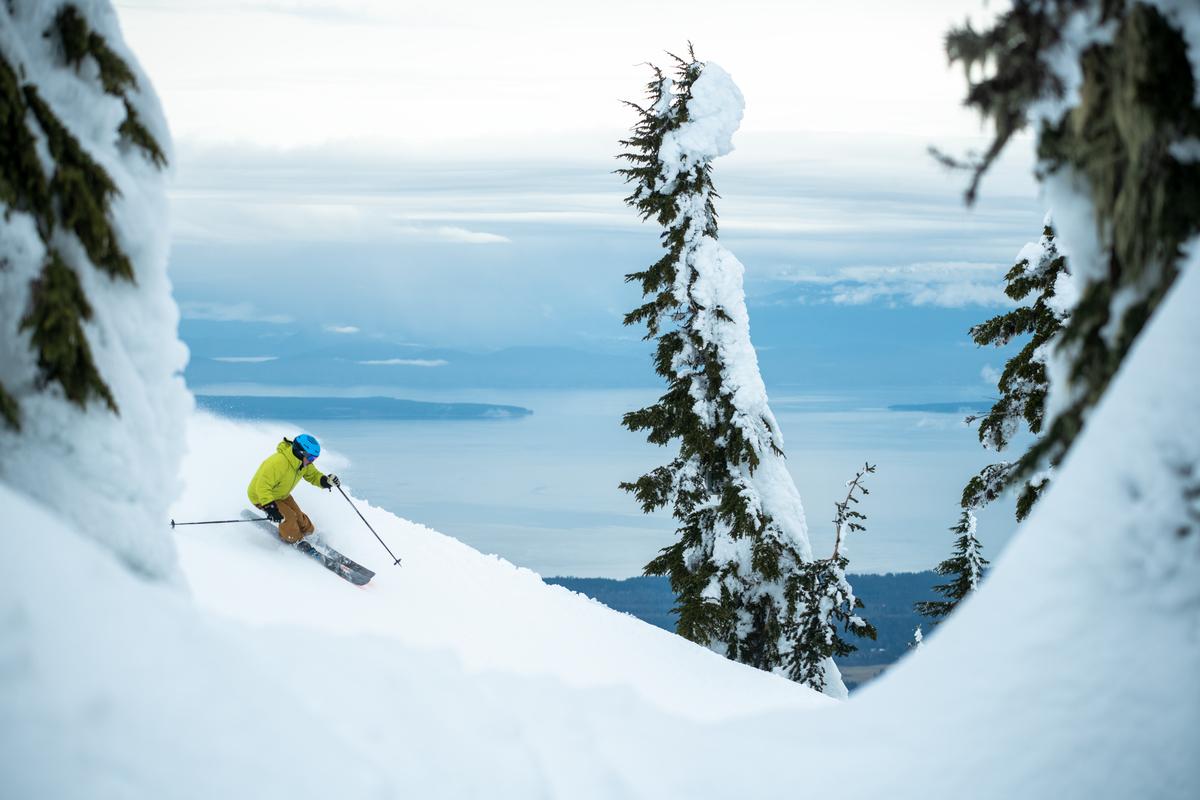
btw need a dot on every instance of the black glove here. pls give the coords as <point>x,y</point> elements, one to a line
<point>329,480</point>
<point>272,512</point>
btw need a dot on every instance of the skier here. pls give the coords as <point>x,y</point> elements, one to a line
<point>271,487</point>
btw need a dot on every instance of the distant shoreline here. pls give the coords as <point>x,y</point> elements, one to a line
<point>351,408</point>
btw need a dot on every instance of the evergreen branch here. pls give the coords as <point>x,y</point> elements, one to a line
<point>844,514</point>
<point>986,486</point>
<point>79,41</point>
<point>83,192</point>
<point>1015,46</point>
<point>135,133</point>
<point>57,309</point>
<point>9,410</point>
<point>23,185</point>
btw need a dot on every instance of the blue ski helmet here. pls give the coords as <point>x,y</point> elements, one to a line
<point>306,445</point>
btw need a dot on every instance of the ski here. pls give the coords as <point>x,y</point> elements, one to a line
<point>340,565</point>
<point>337,563</point>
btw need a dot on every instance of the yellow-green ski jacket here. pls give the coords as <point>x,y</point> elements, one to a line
<point>279,474</point>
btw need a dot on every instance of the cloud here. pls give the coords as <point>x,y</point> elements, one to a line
<point>451,233</point>
<point>949,284</point>
<point>245,359</point>
<point>252,217</point>
<point>877,191</point>
<point>406,362</point>
<point>341,329</point>
<point>229,312</point>
<point>990,375</point>
<point>386,241</point>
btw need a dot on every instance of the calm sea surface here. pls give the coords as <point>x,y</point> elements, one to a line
<point>541,491</point>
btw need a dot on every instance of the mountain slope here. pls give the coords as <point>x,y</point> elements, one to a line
<point>458,675</point>
<point>488,613</point>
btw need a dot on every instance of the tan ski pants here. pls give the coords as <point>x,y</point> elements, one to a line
<point>296,524</point>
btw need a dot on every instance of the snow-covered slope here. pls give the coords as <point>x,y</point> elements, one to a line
<point>1069,674</point>
<point>456,675</point>
<point>488,614</point>
<point>112,686</point>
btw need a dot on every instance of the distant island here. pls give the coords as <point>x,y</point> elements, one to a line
<point>966,406</point>
<point>267,407</point>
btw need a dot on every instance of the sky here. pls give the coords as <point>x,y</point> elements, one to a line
<point>362,165</point>
<point>420,74</point>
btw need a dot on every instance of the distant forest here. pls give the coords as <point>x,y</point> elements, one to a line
<point>888,601</point>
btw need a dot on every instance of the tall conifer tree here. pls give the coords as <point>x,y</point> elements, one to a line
<point>741,530</point>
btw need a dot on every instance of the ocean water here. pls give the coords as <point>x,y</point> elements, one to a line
<point>541,491</point>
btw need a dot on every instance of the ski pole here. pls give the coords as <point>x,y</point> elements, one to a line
<point>372,530</point>
<point>218,521</point>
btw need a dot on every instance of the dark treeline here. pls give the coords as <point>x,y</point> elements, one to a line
<point>888,599</point>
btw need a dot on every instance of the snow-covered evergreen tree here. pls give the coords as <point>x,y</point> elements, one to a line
<point>90,393</point>
<point>742,538</point>
<point>1114,99</point>
<point>1023,384</point>
<point>967,565</point>
<point>822,586</point>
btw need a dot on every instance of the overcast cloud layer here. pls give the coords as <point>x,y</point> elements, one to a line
<point>518,251</point>
<point>442,173</point>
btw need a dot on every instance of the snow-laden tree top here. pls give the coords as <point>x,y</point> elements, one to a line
<point>714,113</point>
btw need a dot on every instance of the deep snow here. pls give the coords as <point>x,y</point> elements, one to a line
<point>488,613</point>
<point>457,675</point>
<point>454,675</point>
